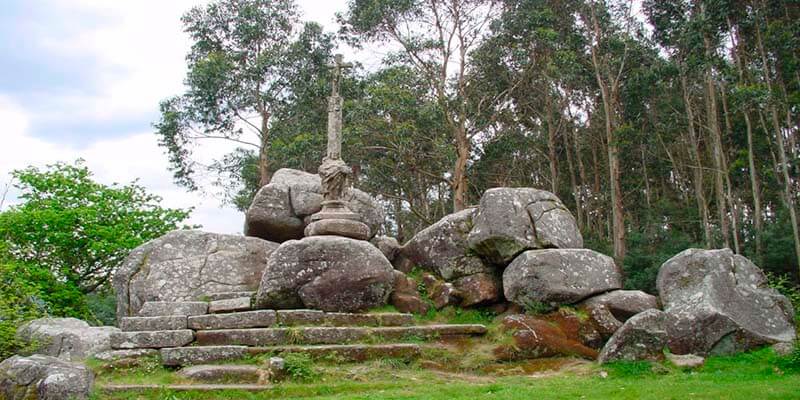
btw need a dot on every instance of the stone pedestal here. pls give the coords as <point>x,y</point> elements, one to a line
<point>336,219</point>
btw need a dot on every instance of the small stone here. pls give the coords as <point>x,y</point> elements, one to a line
<point>165,323</point>
<point>686,360</point>
<point>276,364</point>
<point>168,308</point>
<point>387,245</point>
<point>783,348</point>
<point>151,340</point>
<point>478,289</point>
<point>229,305</point>
<point>245,319</point>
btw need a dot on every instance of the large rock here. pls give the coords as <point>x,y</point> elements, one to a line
<point>66,338</point>
<point>719,303</point>
<point>643,337</point>
<point>478,289</point>
<point>189,265</point>
<point>44,378</point>
<point>406,297</point>
<point>442,247</point>
<point>329,273</point>
<point>512,220</point>
<point>280,210</point>
<point>608,311</point>
<point>559,276</point>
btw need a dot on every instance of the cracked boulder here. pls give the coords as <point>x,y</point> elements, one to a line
<point>44,378</point>
<point>189,265</point>
<point>282,209</point>
<point>66,338</point>
<point>559,276</point>
<point>329,273</point>
<point>540,337</point>
<point>642,337</point>
<point>719,303</point>
<point>608,311</point>
<point>512,220</point>
<point>442,247</point>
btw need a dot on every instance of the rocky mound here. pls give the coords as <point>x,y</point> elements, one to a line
<point>189,265</point>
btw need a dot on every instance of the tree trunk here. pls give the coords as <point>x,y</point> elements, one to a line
<point>460,169</point>
<point>697,171</point>
<point>784,168</point>
<point>263,151</point>
<point>576,193</point>
<point>716,147</point>
<point>729,189</point>
<point>551,147</point>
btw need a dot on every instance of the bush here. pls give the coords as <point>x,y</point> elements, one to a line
<point>18,303</point>
<point>784,285</point>
<point>300,366</point>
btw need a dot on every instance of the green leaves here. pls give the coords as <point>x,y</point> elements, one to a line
<point>77,229</point>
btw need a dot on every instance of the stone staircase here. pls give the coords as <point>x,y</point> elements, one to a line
<point>227,329</point>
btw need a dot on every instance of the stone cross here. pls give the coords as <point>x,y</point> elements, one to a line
<point>335,110</point>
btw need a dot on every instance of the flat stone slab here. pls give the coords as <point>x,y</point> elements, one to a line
<point>229,295</point>
<point>165,323</point>
<point>152,339</point>
<point>114,355</point>
<point>330,335</point>
<point>196,355</point>
<point>319,318</point>
<point>223,373</point>
<point>182,388</point>
<point>229,305</point>
<point>166,308</point>
<point>300,317</point>
<point>237,320</point>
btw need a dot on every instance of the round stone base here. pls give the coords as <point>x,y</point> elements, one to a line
<point>339,227</point>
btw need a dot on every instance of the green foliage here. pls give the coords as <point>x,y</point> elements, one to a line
<point>784,285</point>
<point>300,366</point>
<point>18,303</point>
<point>791,362</point>
<point>78,230</point>
<point>103,307</point>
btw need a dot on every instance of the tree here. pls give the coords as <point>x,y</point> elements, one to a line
<point>250,59</point>
<point>436,37</point>
<point>79,230</point>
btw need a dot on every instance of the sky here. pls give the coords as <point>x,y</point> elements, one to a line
<point>83,79</point>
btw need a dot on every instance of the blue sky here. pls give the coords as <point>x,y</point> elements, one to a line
<point>83,78</point>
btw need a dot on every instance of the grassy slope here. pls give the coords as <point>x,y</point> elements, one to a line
<point>758,375</point>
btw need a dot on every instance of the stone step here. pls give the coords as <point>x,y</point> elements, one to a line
<point>166,308</point>
<point>330,335</point>
<point>111,389</point>
<point>196,355</point>
<point>229,305</point>
<point>249,374</point>
<point>164,323</point>
<point>229,295</point>
<point>151,339</point>
<point>270,318</point>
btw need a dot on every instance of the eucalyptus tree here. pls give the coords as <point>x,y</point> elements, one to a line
<point>436,37</point>
<point>249,61</point>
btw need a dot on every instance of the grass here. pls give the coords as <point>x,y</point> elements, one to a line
<point>440,375</point>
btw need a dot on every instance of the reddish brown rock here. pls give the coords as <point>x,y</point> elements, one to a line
<point>538,338</point>
<point>406,297</point>
<point>478,289</point>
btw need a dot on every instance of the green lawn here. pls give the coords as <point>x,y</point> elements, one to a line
<point>757,375</point>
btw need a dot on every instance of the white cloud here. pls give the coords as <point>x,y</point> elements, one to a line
<point>119,160</point>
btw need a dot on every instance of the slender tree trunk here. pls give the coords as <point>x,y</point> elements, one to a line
<point>697,171</point>
<point>551,147</point>
<point>716,146</point>
<point>574,182</point>
<point>263,151</point>
<point>729,189</point>
<point>784,168</point>
<point>758,225</point>
<point>460,169</point>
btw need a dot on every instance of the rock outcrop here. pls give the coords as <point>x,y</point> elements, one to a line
<point>512,220</point>
<point>406,297</point>
<point>443,250</point>
<point>559,276</point>
<point>608,311</point>
<point>66,338</point>
<point>327,273</point>
<point>280,210</point>
<point>44,378</point>
<point>186,265</point>
<point>643,337</point>
<point>719,303</point>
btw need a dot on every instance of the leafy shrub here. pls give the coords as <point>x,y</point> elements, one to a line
<point>784,285</point>
<point>103,307</point>
<point>300,366</point>
<point>18,303</point>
